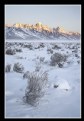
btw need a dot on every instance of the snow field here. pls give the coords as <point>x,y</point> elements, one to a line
<point>62,94</point>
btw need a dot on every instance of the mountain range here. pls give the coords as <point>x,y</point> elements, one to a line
<point>38,32</point>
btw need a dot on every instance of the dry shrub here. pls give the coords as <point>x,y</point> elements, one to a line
<point>8,68</point>
<point>10,51</point>
<point>57,58</point>
<point>34,90</point>
<point>18,68</point>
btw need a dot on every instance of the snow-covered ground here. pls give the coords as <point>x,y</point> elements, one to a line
<point>38,40</point>
<point>61,102</point>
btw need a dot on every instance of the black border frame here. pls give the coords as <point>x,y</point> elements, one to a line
<point>2,60</point>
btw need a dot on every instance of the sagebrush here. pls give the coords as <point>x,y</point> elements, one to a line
<point>10,51</point>
<point>34,90</point>
<point>18,67</point>
<point>18,50</point>
<point>57,58</point>
<point>8,68</point>
<point>26,75</point>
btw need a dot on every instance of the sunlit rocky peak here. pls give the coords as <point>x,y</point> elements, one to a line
<point>61,29</point>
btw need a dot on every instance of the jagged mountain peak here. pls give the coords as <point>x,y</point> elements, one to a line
<point>18,25</point>
<point>39,24</point>
<point>61,29</point>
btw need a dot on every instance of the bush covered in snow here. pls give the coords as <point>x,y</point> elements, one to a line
<point>18,67</point>
<point>18,50</point>
<point>34,90</point>
<point>42,59</point>
<point>60,65</point>
<point>56,47</point>
<point>76,55</point>
<point>28,46</point>
<point>57,58</point>
<point>10,51</point>
<point>42,45</point>
<point>26,75</point>
<point>55,86</point>
<point>38,67</point>
<point>50,51</point>
<point>8,68</point>
<point>78,61</point>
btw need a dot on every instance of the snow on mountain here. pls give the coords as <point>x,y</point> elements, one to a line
<point>38,31</point>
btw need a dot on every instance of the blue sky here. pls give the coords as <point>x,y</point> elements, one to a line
<point>68,16</point>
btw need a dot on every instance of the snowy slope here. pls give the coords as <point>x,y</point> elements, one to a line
<point>32,34</point>
<point>63,101</point>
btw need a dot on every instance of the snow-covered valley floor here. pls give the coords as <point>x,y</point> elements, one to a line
<point>58,102</point>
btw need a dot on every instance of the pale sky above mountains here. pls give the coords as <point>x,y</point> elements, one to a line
<point>66,16</point>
